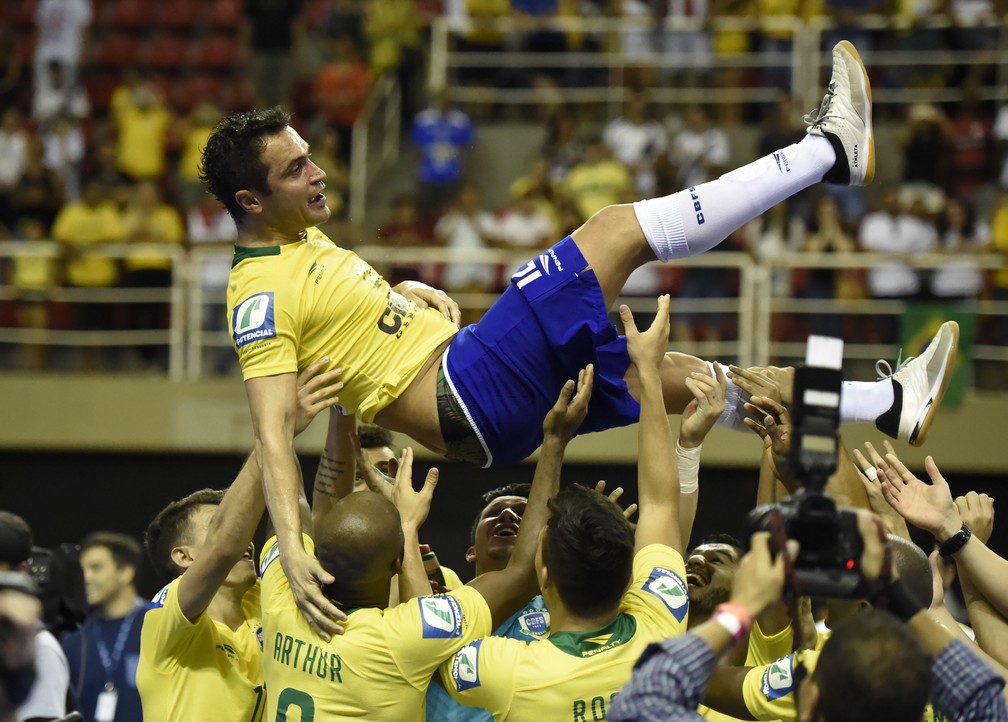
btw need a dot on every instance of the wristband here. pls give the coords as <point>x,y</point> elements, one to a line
<point>688,464</point>
<point>734,619</point>
<point>901,602</point>
<point>955,542</point>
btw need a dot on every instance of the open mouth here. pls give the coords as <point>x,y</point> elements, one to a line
<point>506,531</point>
<point>696,579</point>
<point>318,201</point>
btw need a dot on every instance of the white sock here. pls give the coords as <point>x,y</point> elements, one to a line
<point>865,400</point>
<point>697,219</point>
<point>731,417</point>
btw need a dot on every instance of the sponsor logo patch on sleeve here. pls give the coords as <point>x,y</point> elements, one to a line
<point>465,667</point>
<point>778,680</point>
<point>271,556</point>
<point>670,589</point>
<point>253,319</point>
<point>160,598</point>
<point>440,617</point>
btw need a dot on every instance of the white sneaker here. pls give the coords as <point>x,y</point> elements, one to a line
<point>919,385</point>
<point>844,119</point>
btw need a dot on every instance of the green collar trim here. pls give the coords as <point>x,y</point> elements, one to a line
<point>587,644</point>
<point>243,252</point>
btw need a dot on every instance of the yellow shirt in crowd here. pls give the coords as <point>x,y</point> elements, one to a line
<point>291,305</point>
<point>162,225</point>
<point>593,186</point>
<point>79,224</point>
<point>140,152</point>
<point>378,669</point>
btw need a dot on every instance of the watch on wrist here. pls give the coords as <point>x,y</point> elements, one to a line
<point>955,542</point>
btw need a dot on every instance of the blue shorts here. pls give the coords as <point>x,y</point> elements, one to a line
<point>507,370</point>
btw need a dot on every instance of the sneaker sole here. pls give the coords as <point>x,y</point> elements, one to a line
<point>868,140</point>
<point>924,424</point>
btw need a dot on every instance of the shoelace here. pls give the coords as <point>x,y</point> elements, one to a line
<point>815,118</point>
<point>885,371</point>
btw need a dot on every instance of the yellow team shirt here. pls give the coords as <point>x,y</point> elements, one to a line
<point>594,186</point>
<point>293,304</point>
<point>79,224</point>
<point>999,239</point>
<point>161,226</point>
<point>378,669</point>
<point>574,675</point>
<point>202,669</point>
<point>140,152</point>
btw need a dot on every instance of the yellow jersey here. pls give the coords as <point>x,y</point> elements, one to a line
<point>378,669</point>
<point>195,670</point>
<point>80,225</point>
<point>574,675</point>
<point>293,304</point>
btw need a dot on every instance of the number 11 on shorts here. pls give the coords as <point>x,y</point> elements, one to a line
<point>526,274</point>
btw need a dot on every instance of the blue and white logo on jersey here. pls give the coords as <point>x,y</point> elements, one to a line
<point>670,589</point>
<point>440,617</point>
<point>271,556</point>
<point>778,680</point>
<point>534,624</point>
<point>465,667</point>
<point>252,319</point>
<point>160,598</point>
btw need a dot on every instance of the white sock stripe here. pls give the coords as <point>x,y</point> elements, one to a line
<point>661,221</point>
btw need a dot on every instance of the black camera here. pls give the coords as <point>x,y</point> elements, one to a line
<point>829,559</point>
<point>60,583</point>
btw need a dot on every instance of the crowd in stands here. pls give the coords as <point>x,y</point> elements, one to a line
<point>107,106</point>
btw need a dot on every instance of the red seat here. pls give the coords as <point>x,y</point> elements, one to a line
<point>100,87</point>
<point>118,51</point>
<point>218,52</point>
<point>227,14</point>
<point>165,52</point>
<point>180,15</point>
<point>240,95</point>
<point>187,93</point>
<point>134,14</point>
<point>25,14</point>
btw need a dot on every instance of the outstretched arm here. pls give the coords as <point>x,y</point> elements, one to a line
<point>657,473</point>
<point>506,590</point>
<point>334,478</point>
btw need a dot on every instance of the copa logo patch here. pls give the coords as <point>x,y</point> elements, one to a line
<point>670,589</point>
<point>534,624</point>
<point>253,320</point>
<point>271,556</point>
<point>440,617</point>
<point>778,680</point>
<point>465,667</point>
<point>160,598</point>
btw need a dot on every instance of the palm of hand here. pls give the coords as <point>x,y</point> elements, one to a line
<point>923,505</point>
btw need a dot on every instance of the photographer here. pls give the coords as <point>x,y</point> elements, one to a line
<point>48,696</point>
<point>670,677</point>
<point>19,623</point>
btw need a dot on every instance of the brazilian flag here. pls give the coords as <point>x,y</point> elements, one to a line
<point>919,325</point>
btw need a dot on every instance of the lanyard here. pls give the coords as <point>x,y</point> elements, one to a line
<point>110,662</point>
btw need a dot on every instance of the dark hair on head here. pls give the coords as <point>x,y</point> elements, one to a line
<point>588,548</point>
<point>232,157</point>
<point>851,689</point>
<point>170,529</point>
<point>726,539</point>
<point>15,539</point>
<point>517,488</point>
<point>374,437</point>
<point>126,551</point>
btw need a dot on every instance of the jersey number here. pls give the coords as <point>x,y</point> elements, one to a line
<point>257,712</point>
<point>295,698</point>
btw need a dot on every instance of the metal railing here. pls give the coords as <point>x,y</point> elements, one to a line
<point>198,313</point>
<point>375,140</point>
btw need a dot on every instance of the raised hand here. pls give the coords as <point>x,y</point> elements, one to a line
<point>977,512</point>
<point>567,414</point>
<point>316,391</point>
<point>759,580</point>
<point>413,505</point>
<point>647,348</point>
<point>926,506</point>
<point>375,480</point>
<point>873,488</point>
<point>771,420</point>
<point>703,411</point>
<point>614,497</point>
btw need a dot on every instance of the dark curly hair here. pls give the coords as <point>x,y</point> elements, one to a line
<point>232,157</point>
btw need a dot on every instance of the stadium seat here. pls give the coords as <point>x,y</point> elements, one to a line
<point>118,51</point>
<point>165,52</point>
<point>133,14</point>
<point>227,14</point>
<point>217,52</point>
<point>240,95</point>
<point>186,93</point>
<point>100,87</point>
<point>178,15</point>
<point>25,14</point>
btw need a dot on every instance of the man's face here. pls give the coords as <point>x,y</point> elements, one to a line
<point>243,573</point>
<point>710,571</point>
<point>296,200</point>
<point>497,530</point>
<point>379,457</point>
<point>104,580</point>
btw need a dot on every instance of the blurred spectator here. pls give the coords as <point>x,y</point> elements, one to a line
<point>405,227</point>
<point>960,236</point>
<point>999,285</point>
<point>707,283</point>
<point>526,223</point>
<point>194,131</point>
<point>32,278</point>
<point>564,147</point>
<point>327,154</point>
<point>11,67</point>
<point>480,18</point>
<point>467,226</point>
<point>82,227</point>
<point>209,225</point>
<point>150,222</point>
<point>904,232</point>
<point>55,97</point>
<point>771,235</point>
<point>341,17</point>
<point>699,151</point>
<point>776,36</point>
<point>270,32</point>
<point>444,137</point>
<point>731,46</point>
<point>927,149</point>
<point>104,168</point>
<point>912,33</point>
<point>974,27</point>
<point>597,181</point>
<point>826,236</point>
<point>13,156</point>
<point>781,127</point>
<point>340,88</point>
<point>687,51</point>
<point>39,195</point>
<point>846,16</point>
<point>393,32</point>
<point>636,141</point>
<point>1000,132</point>
<point>641,40</point>
<point>63,143</point>
<point>142,122</point>
<point>973,158</point>
<point>61,37</point>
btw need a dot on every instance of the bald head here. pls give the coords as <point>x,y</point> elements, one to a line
<point>913,566</point>
<point>360,542</point>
